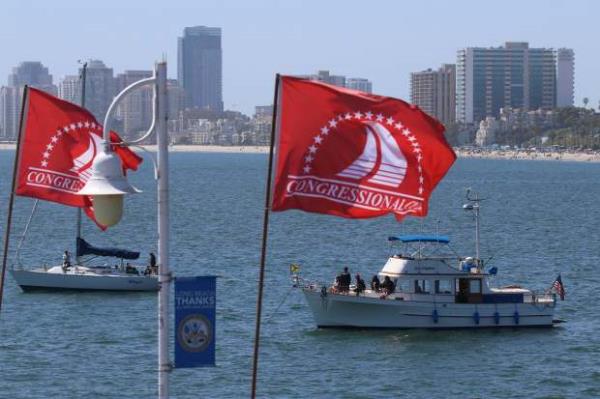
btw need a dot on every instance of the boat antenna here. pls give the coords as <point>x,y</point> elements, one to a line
<point>473,205</point>
<point>82,77</point>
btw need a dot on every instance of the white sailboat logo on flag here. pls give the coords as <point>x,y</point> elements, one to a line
<point>381,158</point>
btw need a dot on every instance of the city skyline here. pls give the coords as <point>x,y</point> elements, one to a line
<point>267,37</point>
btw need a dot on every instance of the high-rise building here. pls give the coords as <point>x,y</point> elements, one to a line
<point>176,98</point>
<point>360,84</point>
<point>9,111</point>
<point>565,77</point>
<point>135,110</point>
<point>515,76</point>
<point>434,92</point>
<point>69,89</point>
<point>31,73</point>
<point>341,81</point>
<point>326,77</point>
<point>199,67</point>
<point>34,74</point>
<point>99,88</point>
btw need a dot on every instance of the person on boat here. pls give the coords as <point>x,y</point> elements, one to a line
<point>66,260</point>
<point>153,267</point>
<point>375,284</point>
<point>345,280</point>
<point>360,285</point>
<point>130,269</point>
<point>388,286</point>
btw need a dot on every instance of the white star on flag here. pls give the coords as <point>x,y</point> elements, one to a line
<point>369,115</point>
<point>421,179</point>
<point>324,130</point>
<point>398,125</point>
<point>379,118</point>
<point>86,124</point>
<point>44,163</point>
<point>79,125</point>
<point>358,115</point>
<point>46,154</point>
<point>66,129</point>
<point>420,190</point>
<point>49,147</point>
<point>308,159</point>
<point>318,139</point>
<point>333,123</point>
<point>415,144</point>
<point>93,125</point>
<point>54,139</point>
<point>417,150</point>
<point>406,132</point>
<point>390,121</point>
<point>412,139</point>
<point>312,149</point>
<point>348,115</point>
<point>419,157</point>
<point>306,169</point>
<point>73,126</point>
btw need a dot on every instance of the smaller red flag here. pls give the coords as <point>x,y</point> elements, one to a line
<point>59,143</point>
<point>347,153</point>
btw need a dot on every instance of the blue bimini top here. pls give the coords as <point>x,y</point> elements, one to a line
<point>421,238</point>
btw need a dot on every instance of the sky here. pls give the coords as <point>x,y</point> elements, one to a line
<point>383,41</point>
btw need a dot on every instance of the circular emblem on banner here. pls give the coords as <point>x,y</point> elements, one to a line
<point>194,333</point>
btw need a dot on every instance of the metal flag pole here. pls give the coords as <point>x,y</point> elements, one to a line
<point>11,200</point>
<point>265,234</point>
<point>83,76</point>
<point>164,276</point>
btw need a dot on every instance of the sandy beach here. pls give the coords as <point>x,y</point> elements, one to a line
<point>190,148</point>
<point>585,156</point>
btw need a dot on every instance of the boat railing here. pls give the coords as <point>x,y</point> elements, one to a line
<point>540,298</point>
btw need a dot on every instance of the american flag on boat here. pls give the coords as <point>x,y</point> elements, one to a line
<point>559,287</point>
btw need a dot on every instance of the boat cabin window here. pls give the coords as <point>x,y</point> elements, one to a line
<point>402,285</point>
<point>443,286</point>
<point>475,286</point>
<point>422,287</point>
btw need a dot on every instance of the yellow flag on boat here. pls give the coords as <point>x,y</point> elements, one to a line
<point>294,268</point>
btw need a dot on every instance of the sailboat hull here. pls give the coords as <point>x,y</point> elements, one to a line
<point>47,280</point>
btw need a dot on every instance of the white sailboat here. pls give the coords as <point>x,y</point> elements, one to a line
<point>83,276</point>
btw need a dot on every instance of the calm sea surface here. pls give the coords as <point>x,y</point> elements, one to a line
<point>540,219</point>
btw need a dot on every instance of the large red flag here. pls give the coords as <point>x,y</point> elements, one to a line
<point>58,145</point>
<point>347,153</point>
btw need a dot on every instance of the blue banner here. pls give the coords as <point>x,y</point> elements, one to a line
<point>195,301</point>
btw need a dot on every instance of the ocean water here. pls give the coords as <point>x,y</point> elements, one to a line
<point>539,219</point>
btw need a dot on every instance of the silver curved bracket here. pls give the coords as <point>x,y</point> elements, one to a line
<point>117,100</point>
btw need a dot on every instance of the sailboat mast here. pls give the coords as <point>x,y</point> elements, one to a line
<point>82,79</point>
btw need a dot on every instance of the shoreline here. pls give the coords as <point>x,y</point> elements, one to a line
<point>461,153</point>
